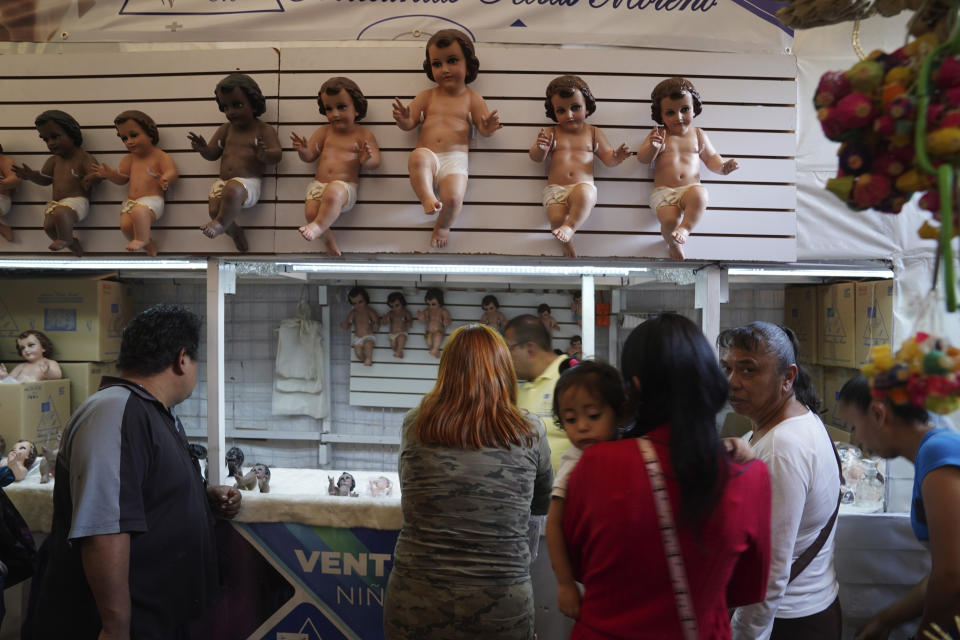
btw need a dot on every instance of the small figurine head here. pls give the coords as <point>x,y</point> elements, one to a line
<point>27,450</point>
<point>234,460</point>
<point>346,483</point>
<point>54,122</point>
<point>566,87</point>
<point>197,451</point>
<point>446,38</point>
<point>156,338</point>
<point>490,303</point>
<point>589,402</point>
<point>142,120</point>
<point>674,88</point>
<point>262,471</point>
<point>576,342</point>
<point>34,345</point>
<point>357,295</point>
<point>334,86</point>
<point>543,308</point>
<point>396,300</point>
<point>435,295</point>
<point>248,86</point>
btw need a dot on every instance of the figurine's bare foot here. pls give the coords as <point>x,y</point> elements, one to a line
<point>212,229</point>
<point>239,238</point>
<point>310,231</point>
<point>563,233</point>
<point>6,232</point>
<point>676,251</point>
<point>432,207</point>
<point>333,249</point>
<point>440,237</point>
<point>151,249</point>
<point>75,248</point>
<point>368,362</point>
<point>680,235</point>
<point>435,353</point>
<point>568,250</point>
<point>397,355</point>
<point>135,245</point>
<point>57,245</point>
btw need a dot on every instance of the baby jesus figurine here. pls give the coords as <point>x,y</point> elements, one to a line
<point>492,317</point>
<point>36,349</point>
<point>675,151</point>
<point>365,323</point>
<point>437,320</point>
<point>18,462</point>
<point>400,320</point>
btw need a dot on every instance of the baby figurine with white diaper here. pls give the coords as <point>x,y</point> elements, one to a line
<point>8,182</point>
<point>149,170</point>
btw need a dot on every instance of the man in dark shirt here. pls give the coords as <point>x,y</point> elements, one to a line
<point>131,552</point>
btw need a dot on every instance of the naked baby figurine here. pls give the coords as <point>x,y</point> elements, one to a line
<point>20,459</point>
<point>9,181</point>
<point>148,170</point>
<point>381,487</point>
<point>344,487</point>
<point>400,320</point>
<point>438,166</point>
<point>365,324</point>
<point>36,349</point>
<point>437,320</point>
<point>234,461</point>
<point>491,313</point>
<point>549,322</point>
<point>70,171</point>
<point>675,152</point>
<point>245,146</point>
<point>570,194</point>
<point>342,147</point>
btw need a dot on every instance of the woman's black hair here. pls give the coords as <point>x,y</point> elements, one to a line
<point>599,379</point>
<point>766,337</point>
<point>856,393</point>
<point>680,383</point>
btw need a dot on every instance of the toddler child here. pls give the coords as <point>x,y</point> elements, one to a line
<point>150,172</point>
<point>36,349</point>
<point>549,322</point>
<point>570,193</point>
<point>400,322</point>
<point>437,320</point>
<point>70,171</point>
<point>342,147</point>
<point>675,151</point>
<point>245,145</point>
<point>365,323</point>
<point>8,182</point>
<point>491,313</point>
<point>438,166</point>
<point>589,403</point>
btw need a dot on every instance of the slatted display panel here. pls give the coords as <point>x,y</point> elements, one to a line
<point>749,113</point>
<point>393,382</point>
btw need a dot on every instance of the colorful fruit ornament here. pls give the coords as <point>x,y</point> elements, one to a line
<point>925,372</point>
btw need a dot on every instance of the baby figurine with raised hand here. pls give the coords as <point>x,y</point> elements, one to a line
<point>36,349</point>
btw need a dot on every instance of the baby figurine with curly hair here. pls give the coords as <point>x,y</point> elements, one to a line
<point>571,145</point>
<point>36,350</point>
<point>675,151</point>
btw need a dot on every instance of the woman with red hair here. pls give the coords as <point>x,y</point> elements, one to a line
<point>473,467</point>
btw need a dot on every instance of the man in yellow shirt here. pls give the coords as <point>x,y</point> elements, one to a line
<point>539,368</point>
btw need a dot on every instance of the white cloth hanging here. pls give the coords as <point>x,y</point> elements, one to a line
<point>298,378</point>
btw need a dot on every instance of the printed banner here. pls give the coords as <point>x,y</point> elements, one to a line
<point>705,25</point>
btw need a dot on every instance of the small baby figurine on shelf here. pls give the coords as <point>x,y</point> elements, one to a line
<point>18,462</point>
<point>257,477</point>
<point>234,461</point>
<point>400,320</point>
<point>438,166</point>
<point>345,486</point>
<point>149,170</point>
<point>576,308</point>
<point>9,181</point>
<point>381,487</point>
<point>437,320</point>
<point>365,323</point>
<point>70,171</point>
<point>570,194</point>
<point>244,145</point>
<point>342,147</point>
<point>491,313</point>
<point>575,350</point>
<point>34,347</point>
<point>549,322</point>
<point>675,151</point>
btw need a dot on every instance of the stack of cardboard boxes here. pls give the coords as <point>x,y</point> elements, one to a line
<point>837,325</point>
<point>84,319</point>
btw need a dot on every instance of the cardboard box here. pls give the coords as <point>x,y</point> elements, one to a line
<point>873,317</point>
<point>833,379</point>
<point>800,313</point>
<point>837,314</point>
<point>83,317</point>
<point>85,379</point>
<point>35,411</point>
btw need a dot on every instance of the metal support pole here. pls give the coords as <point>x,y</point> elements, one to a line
<point>588,312</point>
<point>221,279</point>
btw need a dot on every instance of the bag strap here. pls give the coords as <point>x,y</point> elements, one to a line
<point>811,552</point>
<point>671,545</point>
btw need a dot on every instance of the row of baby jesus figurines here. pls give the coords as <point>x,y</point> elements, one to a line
<point>438,165</point>
<point>366,322</point>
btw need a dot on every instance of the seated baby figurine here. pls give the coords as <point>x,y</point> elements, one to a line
<point>345,486</point>
<point>258,476</point>
<point>381,487</point>
<point>36,348</point>
<point>234,462</point>
<point>18,462</point>
<point>246,482</point>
